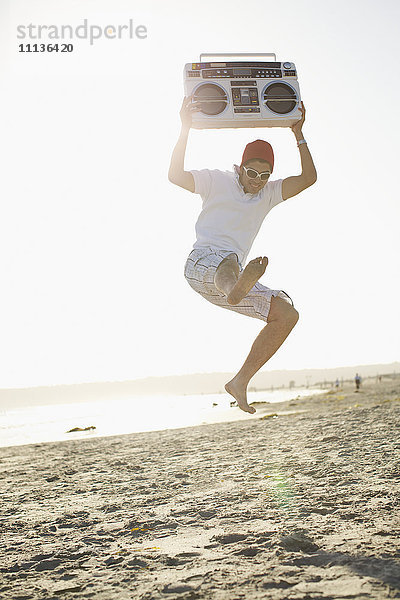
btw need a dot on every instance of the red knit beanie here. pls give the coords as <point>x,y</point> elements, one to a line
<point>258,149</point>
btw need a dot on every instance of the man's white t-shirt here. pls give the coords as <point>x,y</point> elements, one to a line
<point>230,219</point>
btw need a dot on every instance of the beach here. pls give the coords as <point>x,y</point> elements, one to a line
<point>301,503</point>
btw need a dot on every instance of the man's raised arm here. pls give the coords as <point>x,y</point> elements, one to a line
<point>177,173</point>
<point>294,185</point>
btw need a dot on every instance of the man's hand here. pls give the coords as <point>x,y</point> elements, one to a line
<point>187,109</point>
<point>296,127</point>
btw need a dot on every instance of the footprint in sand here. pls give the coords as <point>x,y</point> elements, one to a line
<point>298,542</point>
<point>249,551</point>
<point>230,538</point>
<point>177,589</point>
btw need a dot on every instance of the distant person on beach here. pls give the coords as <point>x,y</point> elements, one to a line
<point>235,204</point>
<point>357,380</point>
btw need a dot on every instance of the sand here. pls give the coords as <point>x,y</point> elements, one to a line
<point>302,505</point>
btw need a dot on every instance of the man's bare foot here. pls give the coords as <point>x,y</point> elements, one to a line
<point>247,279</point>
<point>239,393</point>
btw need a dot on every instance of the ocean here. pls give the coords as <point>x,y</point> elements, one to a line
<point>50,423</point>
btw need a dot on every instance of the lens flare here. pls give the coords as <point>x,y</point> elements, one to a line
<point>279,488</point>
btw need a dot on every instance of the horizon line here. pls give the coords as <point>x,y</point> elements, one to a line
<point>204,373</point>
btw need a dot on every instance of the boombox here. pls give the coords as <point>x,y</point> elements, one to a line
<point>242,90</point>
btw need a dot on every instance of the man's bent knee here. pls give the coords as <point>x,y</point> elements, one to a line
<point>228,268</point>
<point>282,311</point>
<point>229,262</point>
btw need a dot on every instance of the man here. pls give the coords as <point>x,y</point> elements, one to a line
<point>357,380</point>
<point>234,207</point>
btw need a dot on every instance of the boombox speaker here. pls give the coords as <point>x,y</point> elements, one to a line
<point>242,90</point>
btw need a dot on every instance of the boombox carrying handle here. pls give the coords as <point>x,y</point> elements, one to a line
<point>241,56</point>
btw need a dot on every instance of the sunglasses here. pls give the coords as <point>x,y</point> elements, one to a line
<point>253,174</point>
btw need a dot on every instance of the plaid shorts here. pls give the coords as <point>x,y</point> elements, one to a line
<point>200,269</point>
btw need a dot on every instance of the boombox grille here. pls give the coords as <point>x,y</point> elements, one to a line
<point>280,98</point>
<point>212,98</point>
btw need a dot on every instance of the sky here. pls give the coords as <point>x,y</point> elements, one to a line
<point>93,236</point>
